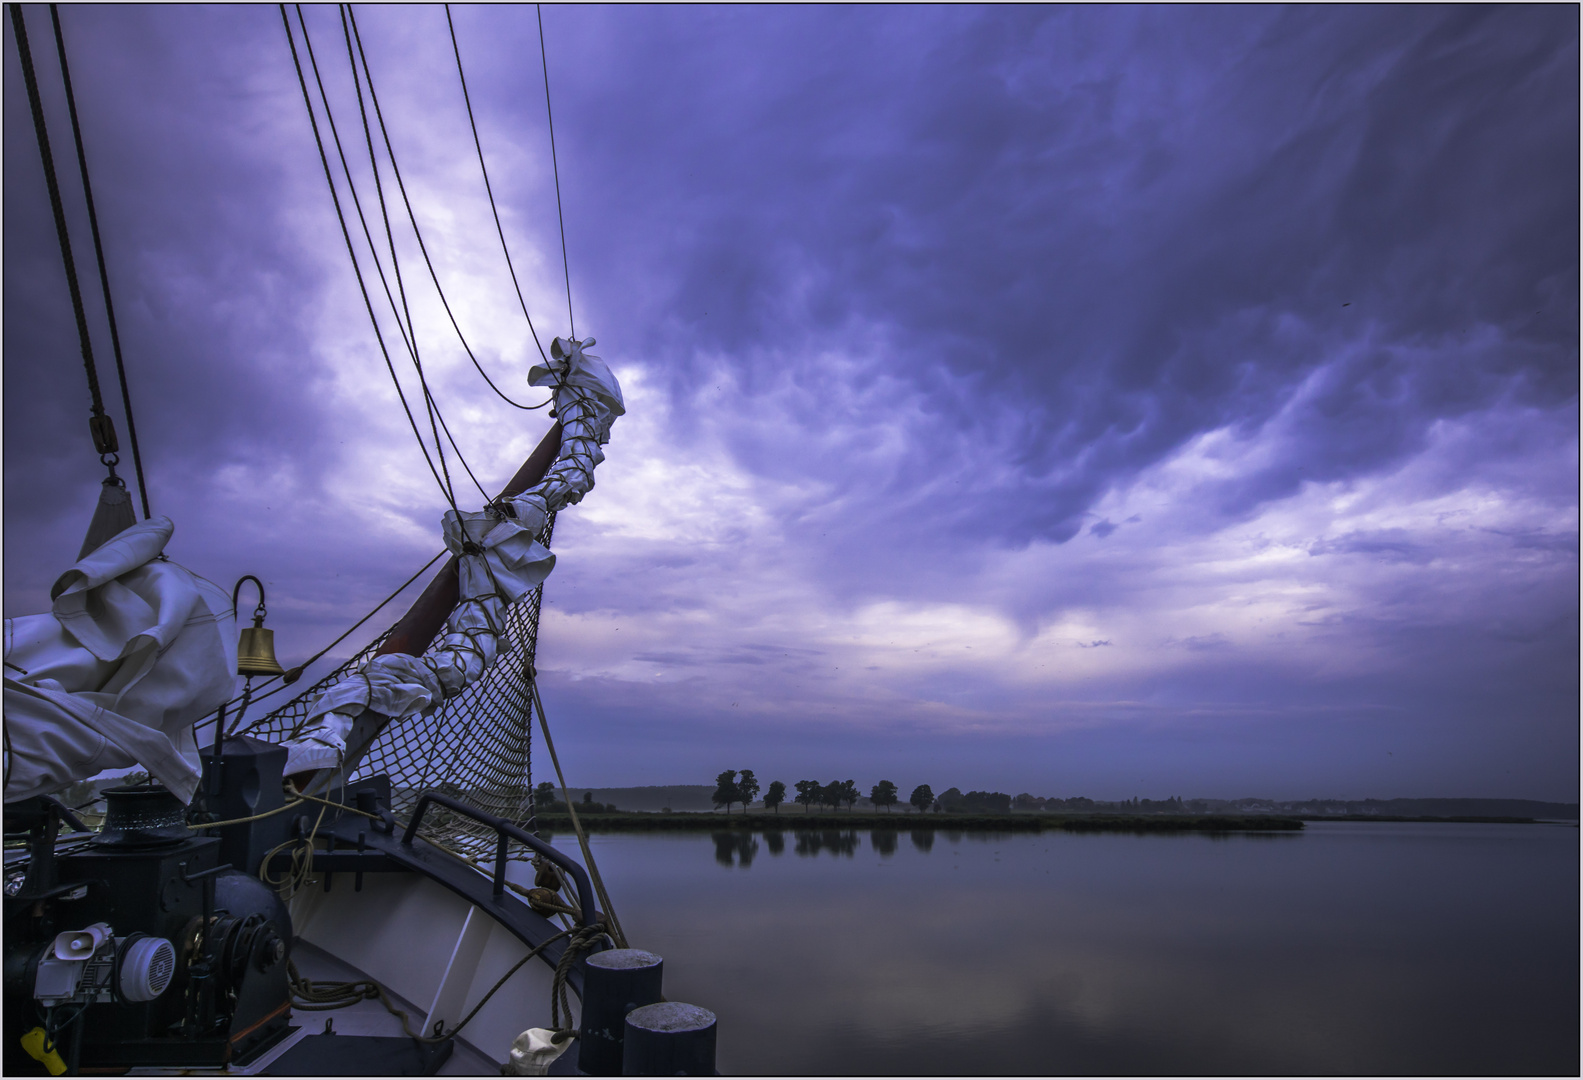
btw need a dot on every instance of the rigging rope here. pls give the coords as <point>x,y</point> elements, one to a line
<point>616,933</point>
<point>413,748</point>
<point>488,189</point>
<point>390,152</point>
<point>411,335</point>
<point>287,678</point>
<point>340,214</point>
<point>417,231</point>
<point>319,997</point>
<point>477,744</point>
<point>104,274</point>
<point>99,424</point>
<point>565,264</point>
<point>373,97</point>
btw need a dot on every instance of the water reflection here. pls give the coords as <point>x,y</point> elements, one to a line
<point>1346,948</point>
<point>835,841</point>
<point>739,845</point>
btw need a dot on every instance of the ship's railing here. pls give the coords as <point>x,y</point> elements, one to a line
<point>506,831</point>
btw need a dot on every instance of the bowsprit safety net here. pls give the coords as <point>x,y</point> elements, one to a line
<point>476,745</point>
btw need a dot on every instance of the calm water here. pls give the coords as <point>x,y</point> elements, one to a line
<point>1348,948</point>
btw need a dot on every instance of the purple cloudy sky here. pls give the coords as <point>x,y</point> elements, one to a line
<point>1107,401</point>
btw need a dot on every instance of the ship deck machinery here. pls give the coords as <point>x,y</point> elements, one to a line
<point>151,946</point>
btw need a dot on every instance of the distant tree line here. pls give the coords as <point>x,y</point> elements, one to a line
<point>545,801</point>
<point>734,787</point>
<point>741,786</point>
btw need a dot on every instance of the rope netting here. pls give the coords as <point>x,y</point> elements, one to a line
<point>475,746</point>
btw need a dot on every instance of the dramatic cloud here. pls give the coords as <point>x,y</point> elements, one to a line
<point>1125,400</point>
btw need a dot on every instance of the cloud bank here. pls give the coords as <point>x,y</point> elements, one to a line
<point>1088,400</point>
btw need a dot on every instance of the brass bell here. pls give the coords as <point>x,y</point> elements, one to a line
<point>255,651</point>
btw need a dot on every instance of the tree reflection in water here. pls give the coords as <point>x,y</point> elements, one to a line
<point>835,841</point>
<point>1133,954</point>
<point>743,846</point>
<point>739,847</point>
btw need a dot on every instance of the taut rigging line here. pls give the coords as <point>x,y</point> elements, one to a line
<point>346,233</point>
<point>488,188</point>
<point>555,163</point>
<point>395,265</point>
<point>100,424</point>
<point>390,152</point>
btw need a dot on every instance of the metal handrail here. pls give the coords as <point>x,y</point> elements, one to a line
<point>504,831</point>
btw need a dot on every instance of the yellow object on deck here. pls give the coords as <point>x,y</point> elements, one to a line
<point>34,1042</point>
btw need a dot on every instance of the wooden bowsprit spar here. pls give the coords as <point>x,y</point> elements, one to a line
<point>417,629</point>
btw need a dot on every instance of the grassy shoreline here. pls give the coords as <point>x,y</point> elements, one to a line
<point>794,822</point>
<point>1016,822</point>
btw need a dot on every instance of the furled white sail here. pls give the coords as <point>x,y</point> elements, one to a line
<point>133,651</point>
<point>499,561</point>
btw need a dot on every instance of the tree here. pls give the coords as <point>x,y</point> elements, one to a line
<point>922,797</point>
<point>775,796</point>
<point>975,802</point>
<point>849,794</point>
<point>726,791</point>
<point>831,794</point>
<point>808,793</point>
<point>990,802</point>
<point>544,800</point>
<point>747,789</point>
<point>883,794</point>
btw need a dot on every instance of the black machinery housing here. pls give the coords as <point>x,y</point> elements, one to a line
<point>147,873</point>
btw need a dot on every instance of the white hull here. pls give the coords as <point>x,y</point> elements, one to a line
<point>430,947</point>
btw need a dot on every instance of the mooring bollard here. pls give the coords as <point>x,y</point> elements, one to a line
<point>614,983</point>
<point>669,1039</point>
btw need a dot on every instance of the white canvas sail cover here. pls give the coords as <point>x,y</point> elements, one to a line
<point>498,562</point>
<point>133,651</point>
